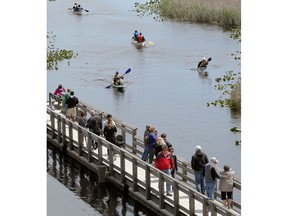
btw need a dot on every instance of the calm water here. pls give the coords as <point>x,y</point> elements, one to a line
<point>163,88</point>
<point>73,190</point>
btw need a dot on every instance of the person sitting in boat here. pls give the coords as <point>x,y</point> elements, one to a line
<point>117,78</point>
<point>203,63</point>
<point>135,36</point>
<point>74,8</point>
<point>141,38</point>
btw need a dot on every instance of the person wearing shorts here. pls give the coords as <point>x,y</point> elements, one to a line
<point>226,186</point>
<point>71,102</point>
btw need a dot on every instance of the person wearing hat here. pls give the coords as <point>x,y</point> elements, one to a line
<point>211,175</point>
<point>198,161</point>
<point>203,63</point>
<point>71,102</point>
<point>117,78</point>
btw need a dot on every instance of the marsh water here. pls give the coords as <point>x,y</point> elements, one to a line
<point>163,88</point>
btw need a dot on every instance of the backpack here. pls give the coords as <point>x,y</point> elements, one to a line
<point>146,138</point>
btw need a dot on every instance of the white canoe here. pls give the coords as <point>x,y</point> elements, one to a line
<point>138,44</point>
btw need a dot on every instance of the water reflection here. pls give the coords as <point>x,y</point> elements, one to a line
<point>104,197</point>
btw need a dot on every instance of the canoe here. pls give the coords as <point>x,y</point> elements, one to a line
<point>138,44</point>
<point>118,87</point>
<point>77,10</point>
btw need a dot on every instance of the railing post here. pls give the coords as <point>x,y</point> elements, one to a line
<point>64,133</point>
<point>184,172</point>
<point>176,198</point>
<point>100,151</point>
<point>122,166</point>
<point>205,206</point>
<point>135,174</point>
<point>161,190</point>
<point>71,146</point>
<point>59,129</point>
<point>52,118</point>
<point>192,202</point>
<point>148,183</point>
<point>134,143</point>
<point>80,140</point>
<point>89,145</point>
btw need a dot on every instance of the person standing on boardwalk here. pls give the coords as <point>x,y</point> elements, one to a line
<point>109,132</point>
<point>66,96</point>
<point>198,161</point>
<point>211,176</point>
<point>94,124</point>
<point>165,163</point>
<point>71,102</point>
<point>158,146</point>
<point>146,142</point>
<point>226,186</point>
<point>109,116</point>
<point>60,91</point>
<point>174,157</point>
<point>164,136</point>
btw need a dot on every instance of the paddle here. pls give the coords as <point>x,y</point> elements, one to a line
<point>81,8</point>
<point>127,71</point>
<point>151,43</point>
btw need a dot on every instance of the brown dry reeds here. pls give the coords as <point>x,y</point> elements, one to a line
<point>220,12</point>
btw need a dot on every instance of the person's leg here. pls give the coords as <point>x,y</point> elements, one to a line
<point>145,154</point>
<point>198,175</point>
<point>210,189</point>
<point>229,200</point>
<point>202,185</point>
<point>168,185</point>
<point>151,155</point>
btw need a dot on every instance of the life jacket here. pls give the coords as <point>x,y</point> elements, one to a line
<point>140,38</point>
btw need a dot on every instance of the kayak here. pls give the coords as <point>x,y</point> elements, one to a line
<point>203,71</point>
<point>138,44</point>
<point>120,87</point>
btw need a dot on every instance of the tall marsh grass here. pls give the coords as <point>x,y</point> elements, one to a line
<point>221,12</point>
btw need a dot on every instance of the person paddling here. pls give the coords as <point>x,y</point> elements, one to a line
<point>117,78</point>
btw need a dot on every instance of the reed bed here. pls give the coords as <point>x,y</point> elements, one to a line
<point>221,12</point>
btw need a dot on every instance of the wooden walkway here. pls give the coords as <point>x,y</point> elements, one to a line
<point>126,169</point>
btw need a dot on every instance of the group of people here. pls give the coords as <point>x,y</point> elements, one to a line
<point>160,151</point>
<point>206,175</point>
<point>138,37</point>
<point>93,123</point>
<point>70,101</point>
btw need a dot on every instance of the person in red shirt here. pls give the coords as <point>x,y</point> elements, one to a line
<point>165,163</point>
<point>141,38</point>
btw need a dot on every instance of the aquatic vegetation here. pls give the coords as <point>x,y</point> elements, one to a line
<point>54,55</point>
<point>226,13</point>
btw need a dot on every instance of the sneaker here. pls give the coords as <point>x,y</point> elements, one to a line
<point>169,194</point>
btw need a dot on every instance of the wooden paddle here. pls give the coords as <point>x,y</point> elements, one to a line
<point>127,71</point>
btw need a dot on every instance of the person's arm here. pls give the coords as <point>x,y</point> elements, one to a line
<point>214,174</point>
<point>175,164</point>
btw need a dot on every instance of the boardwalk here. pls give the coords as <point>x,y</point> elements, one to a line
<point>128,171</point>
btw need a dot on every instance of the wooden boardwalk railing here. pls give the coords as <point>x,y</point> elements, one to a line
<point>144,181</point>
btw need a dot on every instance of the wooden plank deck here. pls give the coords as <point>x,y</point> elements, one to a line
<point>123,166</point>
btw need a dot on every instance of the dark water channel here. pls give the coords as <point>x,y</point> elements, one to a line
<point>73,190</point>
<point>163,88</point>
